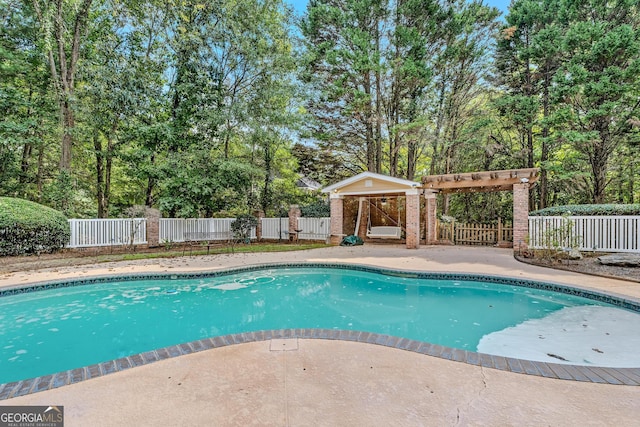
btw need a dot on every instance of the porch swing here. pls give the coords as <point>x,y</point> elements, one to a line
<point>383,231</point>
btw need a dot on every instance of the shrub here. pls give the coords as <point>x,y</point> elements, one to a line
<point>30,228</point>
<point>589,210</point>
<point>241,227</point>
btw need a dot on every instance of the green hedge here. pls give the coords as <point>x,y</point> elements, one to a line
<point>589,210</point>
<point>30,228</point>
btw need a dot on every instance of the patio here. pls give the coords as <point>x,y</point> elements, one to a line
<point>318,382</point>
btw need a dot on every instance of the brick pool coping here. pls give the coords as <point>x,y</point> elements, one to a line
<point>592,374</point>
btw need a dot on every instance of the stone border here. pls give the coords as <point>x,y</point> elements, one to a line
<point>602,375</point>
<point>616,376</point>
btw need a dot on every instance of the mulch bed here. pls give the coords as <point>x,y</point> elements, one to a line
<point>587,265</point>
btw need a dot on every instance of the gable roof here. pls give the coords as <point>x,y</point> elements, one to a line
<point>371,183</point>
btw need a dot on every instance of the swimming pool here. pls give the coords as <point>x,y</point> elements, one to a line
<point>64,326</point>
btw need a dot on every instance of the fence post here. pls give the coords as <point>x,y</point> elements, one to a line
<point>453,231</point>
<point>153,227</point>
<point>259,214</point>
<point>294,214</point>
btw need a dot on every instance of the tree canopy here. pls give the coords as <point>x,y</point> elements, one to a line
<point>217,108</point>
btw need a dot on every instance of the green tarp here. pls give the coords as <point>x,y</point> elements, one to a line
<point>351,241</point>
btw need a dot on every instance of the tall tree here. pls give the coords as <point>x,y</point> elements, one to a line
<point>599,83</point>
<point>343,39</point>
<point>64,26</point>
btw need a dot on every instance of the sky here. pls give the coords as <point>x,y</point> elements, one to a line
<point>300,5</point>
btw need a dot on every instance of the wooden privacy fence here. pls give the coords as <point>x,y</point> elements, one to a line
<point>585,233</point>
<point>475,234</point>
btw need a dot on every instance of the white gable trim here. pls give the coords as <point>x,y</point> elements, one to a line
<point>371,175</point>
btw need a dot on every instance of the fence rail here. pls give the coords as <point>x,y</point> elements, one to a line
<point>107,232</point>
<point>588,233</point>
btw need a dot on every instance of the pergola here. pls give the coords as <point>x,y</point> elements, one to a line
<point>367,184</point>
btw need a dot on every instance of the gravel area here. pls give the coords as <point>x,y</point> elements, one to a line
<point>587,265</point>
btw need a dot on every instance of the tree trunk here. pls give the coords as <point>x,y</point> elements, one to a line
<point>599,160</point>
<point>63,67</point>
<point>24,164</point>
<point>368,114</point>
<point>97,146</point>
<point>39,176</point>
<point>151,182</point>
<point>378,136</point>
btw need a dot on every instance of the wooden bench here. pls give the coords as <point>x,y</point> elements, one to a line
<point>202,239</point>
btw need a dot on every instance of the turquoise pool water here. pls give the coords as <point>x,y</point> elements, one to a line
<point>50,331</point>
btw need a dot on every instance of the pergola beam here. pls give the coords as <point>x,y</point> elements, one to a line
<point>480,181</point>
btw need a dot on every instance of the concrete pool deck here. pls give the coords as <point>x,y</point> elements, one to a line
<point>319,382</point>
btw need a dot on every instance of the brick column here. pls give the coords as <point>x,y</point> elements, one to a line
<point>153,227</point>
<point>412,221</point>
<point>520,216</point>
<point>259,215</point>
<point>364,216</point>
<point>337,214</point>
<point>431,219</point>
<point>294,214</point>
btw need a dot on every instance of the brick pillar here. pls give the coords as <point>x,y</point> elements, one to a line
<point>431,219</point>
<point>294,214</point>
<point>520,216</point>
<point>337,214</point>
<point>364,217</point>
<point>259,215</point>
<point>153,227</point>
<point>412,220</point>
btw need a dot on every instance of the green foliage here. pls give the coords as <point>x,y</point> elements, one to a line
<point>589,210</point>
<point>30,228</point>
<point>316,209</point>
<point>192,106</point>
<point>557,241</point>
<point>242,225</point>
<point>195,185</point>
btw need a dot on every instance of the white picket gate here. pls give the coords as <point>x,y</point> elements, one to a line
<point>591,233</point>
<point>107,232</point>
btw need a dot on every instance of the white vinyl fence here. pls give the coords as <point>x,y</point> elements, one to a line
<point>314,228</point>
<point>308,228</point>
<point>588,233</point>
<point>133,231</point>
<point>177,229</point>
<point>275,228</point>
<point>107,232</point>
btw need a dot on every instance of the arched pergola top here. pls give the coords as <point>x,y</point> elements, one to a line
<point>369,183</point>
